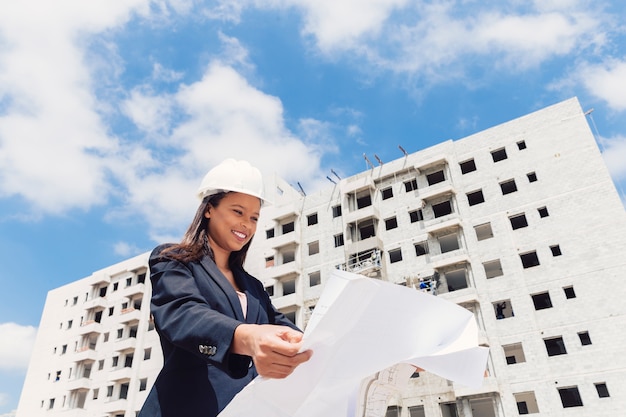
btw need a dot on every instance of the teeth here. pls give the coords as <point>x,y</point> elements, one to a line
<point>239,234</point>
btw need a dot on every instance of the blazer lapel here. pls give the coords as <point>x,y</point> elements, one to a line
<point>214,274</point>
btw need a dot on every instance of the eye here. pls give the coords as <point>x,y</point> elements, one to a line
<point>239,212</point>
<point>254,219</point>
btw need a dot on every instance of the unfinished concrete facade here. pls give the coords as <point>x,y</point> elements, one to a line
<point>520,224</point>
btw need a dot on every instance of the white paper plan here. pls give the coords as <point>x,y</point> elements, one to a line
<point>361,326</point>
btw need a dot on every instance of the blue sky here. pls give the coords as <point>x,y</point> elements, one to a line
<point>111,111</point>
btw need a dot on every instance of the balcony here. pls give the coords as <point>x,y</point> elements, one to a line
<point>361,214</point>
<point>115,406</point>
<point>435,191</point>
<point>79,384</point>
<point>356,184</point>
<point>121,374</point>
<point>90,326</point>
<point>285,301</point>
<point>440,261</point>
<point>431,162</point>
<point>282,270</point>
<point>130,314</point>
<point>435,228</point>
<point>97,302</point>
<point>99,278</point>
<point>85,354</point>
<point>128,343</point>
<point>284,211</point>
<point>134,290</point>
<point>291,238</point>
<point>371,243</point>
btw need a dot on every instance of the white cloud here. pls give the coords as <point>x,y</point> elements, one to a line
<point>606,81</point>
<point>614,154</point>
<point>10,413</point>
<point>50,129</point>
<point>16,345</point>
<point>340,24</point>
<point>223,116</point>
<point>126,249</point>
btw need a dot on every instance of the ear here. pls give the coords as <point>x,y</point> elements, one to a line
<point>207,213</point>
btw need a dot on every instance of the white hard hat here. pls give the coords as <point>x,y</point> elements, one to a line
<point>232,175</point>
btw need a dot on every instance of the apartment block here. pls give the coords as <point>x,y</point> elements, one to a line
<point>520,224</point>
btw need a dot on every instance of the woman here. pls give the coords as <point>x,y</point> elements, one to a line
<point>217,326</point>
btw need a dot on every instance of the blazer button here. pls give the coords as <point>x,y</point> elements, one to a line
<point>207,350</point>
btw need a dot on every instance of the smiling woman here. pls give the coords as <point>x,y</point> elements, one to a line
<point>217,326</point>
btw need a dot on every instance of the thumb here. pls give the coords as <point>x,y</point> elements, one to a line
<point>291,336</point>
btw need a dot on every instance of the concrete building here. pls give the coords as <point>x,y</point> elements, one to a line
<point>520,224</point>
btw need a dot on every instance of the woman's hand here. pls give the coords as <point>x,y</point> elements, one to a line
<point>274,349</point>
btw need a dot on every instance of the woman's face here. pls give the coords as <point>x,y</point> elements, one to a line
<point>233,222</point>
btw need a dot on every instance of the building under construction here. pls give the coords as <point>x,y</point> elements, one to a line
<point>520,224</point>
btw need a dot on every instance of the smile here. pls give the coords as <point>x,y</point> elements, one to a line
<point>240,235</point>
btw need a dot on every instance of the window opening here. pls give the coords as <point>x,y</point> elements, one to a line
<point>269,233</point>
<point>503,309</point>
<point>521,145</point>
<point>442,209</point>
<point>386,193</point>
<point>556,250</point>
<point>315,279</point>
<point>392,411</point>
<point>338,240</point>
<point>555,346</point>
<point>363,201</point>
<point>336,211</point>
<point>508,187</point>
<point>410,185</point>
<point>314,248</point>
<point>124,391</point>
<point>416,215</point>
<point>395,255</point>
<point>529,259</point>
<point>435,177</point>
<point>569,292</point>
<point>518,221</point>
<point>543,212</point>
<point>468,166</point>
<point>542,301</point>
<point>570,397</point>
<point>584,338</point>
<point>288,227</point>
<point>514,353</point>
<point>532,177</point>
<point>417,411</point>
<point>601,388</point>
<point>289,286</point>
<point>449,242</point>
<point>311,219</point>
<point>421,248</point>
<point>391,223</point>
<point>499,155</point>
<point>475,197</point>
<point>456,279</point>
<point>526,402</point>
<point>493,269</point>
<point>483,231</point>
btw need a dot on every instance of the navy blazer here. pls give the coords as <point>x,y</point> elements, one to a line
<point>196,311</point>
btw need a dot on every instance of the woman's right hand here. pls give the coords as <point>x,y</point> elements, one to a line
<point>274,349</point>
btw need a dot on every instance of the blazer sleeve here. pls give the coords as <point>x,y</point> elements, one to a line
<point>184,316</point>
